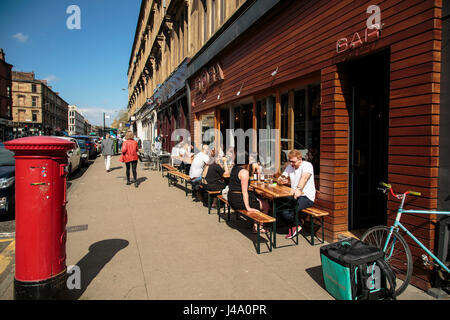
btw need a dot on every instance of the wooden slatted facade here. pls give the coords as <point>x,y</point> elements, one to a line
<point>299,39</point>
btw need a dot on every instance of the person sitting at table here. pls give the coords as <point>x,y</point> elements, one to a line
<point>213,172</point>
<point>255,166</point>
<point>158,145</point>
<point>175,155</point>
<point>240,198</point>
<point>300,175</point>
<point>230,157</point>
<point>195,172</point>
<point>185,156</point>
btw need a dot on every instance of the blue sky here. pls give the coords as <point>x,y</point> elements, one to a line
<point>87,66</point>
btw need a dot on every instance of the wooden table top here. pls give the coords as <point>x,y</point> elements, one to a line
<point>273,191</point>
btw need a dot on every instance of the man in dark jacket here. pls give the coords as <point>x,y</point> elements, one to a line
<point>107,151</point>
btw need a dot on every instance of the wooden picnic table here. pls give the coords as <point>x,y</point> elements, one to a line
<point>273,192</point>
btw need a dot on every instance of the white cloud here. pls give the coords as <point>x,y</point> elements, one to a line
<point>20,37</point>
<point>51,78</point>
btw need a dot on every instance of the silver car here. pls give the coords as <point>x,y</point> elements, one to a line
<point>74,156</point>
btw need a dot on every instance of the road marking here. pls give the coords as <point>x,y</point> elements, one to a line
<point>6,256</point>
<point>6,240</point>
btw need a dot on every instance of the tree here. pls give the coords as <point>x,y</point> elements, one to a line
<point>122,117</point>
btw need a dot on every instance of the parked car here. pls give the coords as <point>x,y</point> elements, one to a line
<point>89,144</point>
<point>84,152</point>
<point>7,180</point>
<point>74,156</point>
<point>98,145</point>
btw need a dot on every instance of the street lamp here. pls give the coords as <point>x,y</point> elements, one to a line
<point>107,117</point>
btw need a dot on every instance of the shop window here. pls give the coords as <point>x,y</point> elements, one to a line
<point>207,122</point>
<point>285,143</point>
<point>34,116</point>
<point>307,124</point>
<point>224,125</point>
<point>222,11</point>
<point>265,109</point>
<point>213,16</point>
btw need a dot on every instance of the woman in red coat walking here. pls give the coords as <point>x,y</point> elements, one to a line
<point>130,156</point>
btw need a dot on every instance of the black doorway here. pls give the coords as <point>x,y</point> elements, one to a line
<point>368,104</point>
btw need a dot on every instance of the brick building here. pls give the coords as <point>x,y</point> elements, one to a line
<point>5,98</point>
<point>37,109</point>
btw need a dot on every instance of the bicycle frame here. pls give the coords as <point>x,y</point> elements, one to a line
<point>397,224</point>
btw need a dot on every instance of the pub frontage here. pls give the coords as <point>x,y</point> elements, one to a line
<point>355,85</point>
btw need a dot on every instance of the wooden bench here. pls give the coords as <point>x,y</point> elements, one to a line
<point>211,196</point>
<point>168,167</point>
<point>175,174</point>
<point>313,213</point>
<point>260,217</point>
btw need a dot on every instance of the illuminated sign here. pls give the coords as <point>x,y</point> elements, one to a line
<point>372,31</point>
<point>208,78</point>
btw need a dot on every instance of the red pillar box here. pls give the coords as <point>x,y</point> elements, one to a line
<point>41,216</point>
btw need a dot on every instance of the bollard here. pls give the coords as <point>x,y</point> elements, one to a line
<point>41,217</point>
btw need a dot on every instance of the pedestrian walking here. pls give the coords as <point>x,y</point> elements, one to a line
<point>130,156</point>
<point>120,142</point>
<point>107,151</point>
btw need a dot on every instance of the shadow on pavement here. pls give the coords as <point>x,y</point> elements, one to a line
<point>80,171</point>
<point>100,253</point>
<point>140,180</point>
<point>116,168</point>
<point>316,274</point>
<point>245,226</point>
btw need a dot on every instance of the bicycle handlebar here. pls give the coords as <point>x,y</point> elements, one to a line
<point>388,187</point>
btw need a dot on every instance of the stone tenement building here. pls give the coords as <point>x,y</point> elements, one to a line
<point>168,34</point>
<point>5,99</point>
<point>76,121</point>
<point>37,109</point>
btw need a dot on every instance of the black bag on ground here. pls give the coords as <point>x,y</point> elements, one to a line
<point>354,270</point>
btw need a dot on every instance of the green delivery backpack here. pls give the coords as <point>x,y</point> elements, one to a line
<point>354,270</point>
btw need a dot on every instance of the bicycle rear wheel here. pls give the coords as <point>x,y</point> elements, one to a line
<point>397,253</point>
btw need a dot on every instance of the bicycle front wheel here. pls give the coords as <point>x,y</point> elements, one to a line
<point>397,254</point>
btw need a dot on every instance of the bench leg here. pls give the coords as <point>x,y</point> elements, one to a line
<point>257,241</point>
<point>185,187</point>
<point>209,203</point>
<point>270,244</point>
<point>323,229</point>
<point>229,213</point>
<point>218,208</point>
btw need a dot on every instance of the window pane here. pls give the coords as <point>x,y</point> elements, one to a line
<point>313,143</point>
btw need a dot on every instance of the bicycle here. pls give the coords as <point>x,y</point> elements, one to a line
<point>399,256</point>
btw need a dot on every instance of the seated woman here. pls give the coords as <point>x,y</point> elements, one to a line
<point>186,157</point>
<point>240,198</point>
<point>213,173</point>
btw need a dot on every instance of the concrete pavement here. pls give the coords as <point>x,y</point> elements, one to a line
<point>152,242</point>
